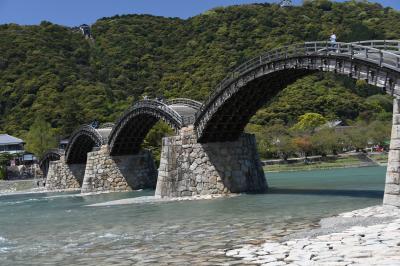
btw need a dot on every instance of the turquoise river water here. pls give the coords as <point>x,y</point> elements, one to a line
<point>60,229</point>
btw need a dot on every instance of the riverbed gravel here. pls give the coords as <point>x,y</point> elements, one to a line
<point>369,236</point>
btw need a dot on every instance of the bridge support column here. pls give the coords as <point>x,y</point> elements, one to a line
<point>63,176</point>
<point>392,187</point>
<point>118,173</point>
<point>188,168</point>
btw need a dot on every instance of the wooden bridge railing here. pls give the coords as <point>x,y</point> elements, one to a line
<point>388,45</point>
<point>158,106</point>
<point>188,102</point>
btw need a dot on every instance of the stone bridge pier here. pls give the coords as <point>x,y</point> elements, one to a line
<point>392,186</point>
<point>118,173</point>
<point>63,176</point>
<point>189,168</point>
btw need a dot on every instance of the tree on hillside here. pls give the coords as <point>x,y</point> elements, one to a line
<point>40,137</point>
<point>279,139</point>
<point>309,122</point>
<point>154,138</point>
<point>379,132</point>
<point>327,140</point>
<point>356,137</point>
<point>71,117</point>
<point>44,66</point>
<point>303,145</point>
<point>4,159</point>
<point>284,147</point>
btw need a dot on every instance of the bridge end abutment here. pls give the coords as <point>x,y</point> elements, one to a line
<point>189,168</point>
<point>392,184</point>
<point>63,176</point>
<point>118,173</point>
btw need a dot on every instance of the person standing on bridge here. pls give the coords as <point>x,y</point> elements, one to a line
<point>332,38</point>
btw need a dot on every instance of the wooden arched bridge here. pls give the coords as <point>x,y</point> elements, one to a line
<point>210,153</point>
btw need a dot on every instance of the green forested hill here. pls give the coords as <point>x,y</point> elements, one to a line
<point>53,72</point>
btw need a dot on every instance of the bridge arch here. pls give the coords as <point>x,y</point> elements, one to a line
<point>237,98</point>
<point>49,156</point>
<point>132,127</point>
<point>82,141</point>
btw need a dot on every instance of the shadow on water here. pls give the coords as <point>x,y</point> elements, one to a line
<point>328,192</point>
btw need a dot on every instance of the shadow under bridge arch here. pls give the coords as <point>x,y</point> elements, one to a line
<point>130,130</point>
<point>49,156</point>
<point>84,140</point>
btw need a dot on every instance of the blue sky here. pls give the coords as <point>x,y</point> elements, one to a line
<point>76,12</point>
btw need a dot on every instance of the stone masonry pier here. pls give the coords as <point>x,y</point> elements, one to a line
<point>392,187</point>
<point>189,168</point>
<point>63,176</point>
<point>118,173</point>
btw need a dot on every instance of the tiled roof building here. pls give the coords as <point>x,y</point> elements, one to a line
<point>11,144</point>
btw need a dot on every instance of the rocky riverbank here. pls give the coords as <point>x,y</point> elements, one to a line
<point>20,186</point>
<point>369,236</point>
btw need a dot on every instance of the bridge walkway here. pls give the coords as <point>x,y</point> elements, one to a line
<point>186,108</point>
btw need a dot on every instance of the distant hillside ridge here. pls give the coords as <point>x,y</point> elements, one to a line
<point>53,72</point>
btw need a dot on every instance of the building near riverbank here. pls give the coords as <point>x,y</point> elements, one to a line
<point>11,144</point>
<point>21,164</point>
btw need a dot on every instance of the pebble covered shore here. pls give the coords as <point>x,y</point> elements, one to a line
<point>369,236</point>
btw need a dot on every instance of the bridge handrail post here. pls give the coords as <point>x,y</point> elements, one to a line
<point>326,48</point>
<point>380,58</point>
<point>351,51</point>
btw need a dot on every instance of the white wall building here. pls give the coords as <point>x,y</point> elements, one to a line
<point>11,144</point>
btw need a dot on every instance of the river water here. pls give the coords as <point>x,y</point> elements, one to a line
<point>60,229</point>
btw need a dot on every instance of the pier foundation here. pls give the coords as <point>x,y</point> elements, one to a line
<point>189,168</point>
<point>392,186</point>
<point>118,173</point>
<point>63,176</point>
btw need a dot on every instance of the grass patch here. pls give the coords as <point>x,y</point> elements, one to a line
<point>348,161</point>
<point>380,158</point>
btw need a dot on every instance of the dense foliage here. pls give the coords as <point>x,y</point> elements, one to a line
<point>40,137</point>
<point>53,72</point>
<point>4,159</point>
<point>279,141</point>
